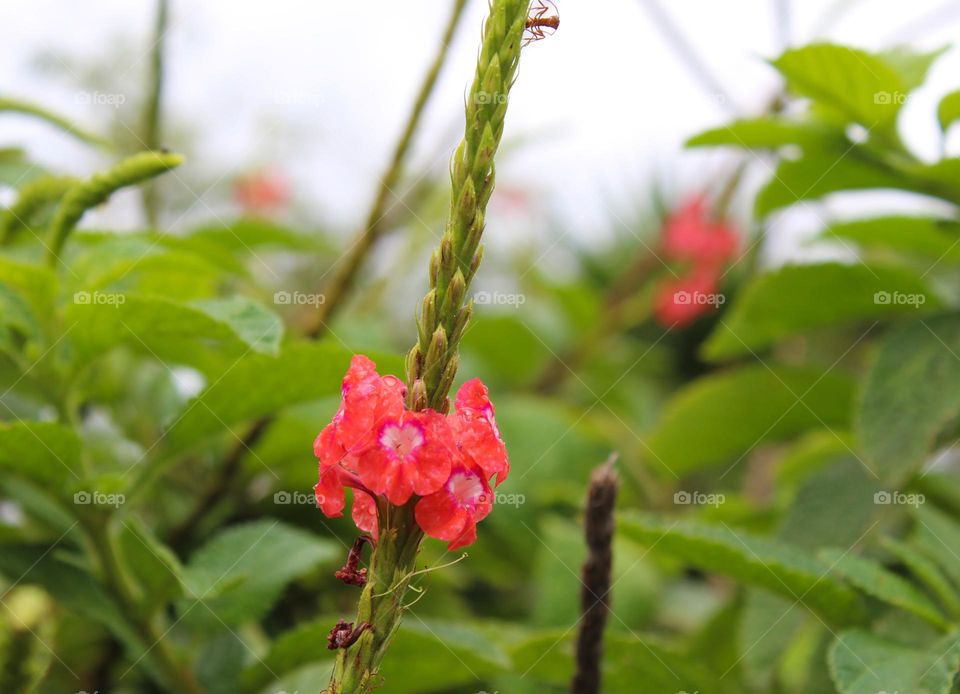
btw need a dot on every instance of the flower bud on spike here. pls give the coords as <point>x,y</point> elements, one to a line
<point>418,396</point>
<point>449,373</point>
<point>475,263</point>
<point>436,354</point>
<point>460,322</point>
<point>455,293</point>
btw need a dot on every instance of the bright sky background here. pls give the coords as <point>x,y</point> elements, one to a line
<point>320,88</point>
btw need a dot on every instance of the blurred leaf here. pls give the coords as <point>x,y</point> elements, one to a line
<point>505,348</point>
<point>724,416</point>
<point>154,565</point>
<point>912,65</point>
<point>248,234</point>
<point>948,112</point>
<point>821,172</point>
<point>771,564</point>
<point>768,132</point>
<point>35,284</point>
<point>458,654</point>
<point>860,86</point>
<point>219,663</point>
<point>861,663</point>
<point>939,535</point>
<point>168,330</point>
<point>926,571</point>
<point>236,576</point>
<point>911,391</point>
<point>259,384</point>
<point>47,453</point>
<point>16,169</point>
<point>782,303</point>
<point>927,237</point>
<point>875,580</point>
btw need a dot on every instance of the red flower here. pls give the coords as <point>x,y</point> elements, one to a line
<point>384,451</point>
<point>411,455</point>
<point>478,436</point>
<point>261,192</point>
<point>452,513</point>
<point>690,235</point>
<point>679,302</point>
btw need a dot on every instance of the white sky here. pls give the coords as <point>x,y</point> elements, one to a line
<point>320,88</point>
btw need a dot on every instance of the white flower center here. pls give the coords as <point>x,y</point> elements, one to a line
<point>401,440</point>
<point>465,487</point>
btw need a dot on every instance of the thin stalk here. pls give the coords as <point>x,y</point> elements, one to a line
<point>152,112</point>
<point>432,363</point>
<point>375,225</point>
<point>595,582</point>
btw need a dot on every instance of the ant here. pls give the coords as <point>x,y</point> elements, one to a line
<point>539,22</point>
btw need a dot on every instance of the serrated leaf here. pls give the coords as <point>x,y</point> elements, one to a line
<point>771,564</point>
<point>723,416</point>
<point>259,384</point>
<point>166,329</point>
<point>239,573</point>
<point>861,663</point>
<point>861,87</point>
<point>875,580</point>
<point>912,389</point>
<point>799,298</point>
<point>948,111</point>
<point>927,237</point>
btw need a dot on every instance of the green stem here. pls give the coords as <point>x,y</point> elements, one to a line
<point>432,363</point>
<point>376,222</point>
<point>152,132</point>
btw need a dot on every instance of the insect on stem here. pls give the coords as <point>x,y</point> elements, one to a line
<point>541,23</point>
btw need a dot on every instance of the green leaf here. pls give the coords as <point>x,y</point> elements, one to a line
<point>44,452</point>
<point>721,417</point>
<point>247,235</point>
<point>912,65</point>
<point>169,330</point>
<point>911,391</point>
<point>153,564</point>
<point>772,564</point>
<point>948,112</point>
<point>259,384</point>
<point>799,298</point>
<point>769,133</point>
<point>926,571</point>
<point>236,576</point>
<point>257,326</point>
<point>861,663</point>
<point>926,237</point>
<point>939,536</point>
<point>35,284</point>
<point>853,83</point>
<point>821,172</point>
<point>873,579</point>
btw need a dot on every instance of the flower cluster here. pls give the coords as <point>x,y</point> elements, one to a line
<point>389,454</point>
<point>706,246</point>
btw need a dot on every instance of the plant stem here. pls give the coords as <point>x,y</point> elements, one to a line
<point>152,131</point>
<point>375,225</point>
<point>595,590</point>
<point>432,363</point>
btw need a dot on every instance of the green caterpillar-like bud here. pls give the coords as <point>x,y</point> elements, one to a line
<point>31,199</point>
<point>96,190</point>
